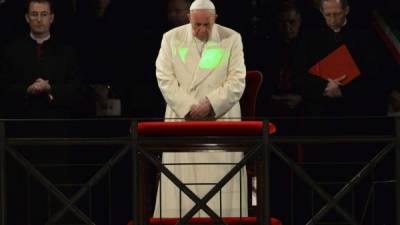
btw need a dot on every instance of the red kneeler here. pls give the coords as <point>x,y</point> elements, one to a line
<point>232,133</point>
<point>227,220</point>
<point>204,128</point>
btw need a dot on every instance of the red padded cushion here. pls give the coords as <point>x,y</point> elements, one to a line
<point>228,220</point>
<point>203,128</point>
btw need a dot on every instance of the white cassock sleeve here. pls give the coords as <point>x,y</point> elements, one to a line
<point>175,96</point>
<point>225,97</point>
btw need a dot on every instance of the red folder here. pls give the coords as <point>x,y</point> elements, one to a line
<point>335,65</point>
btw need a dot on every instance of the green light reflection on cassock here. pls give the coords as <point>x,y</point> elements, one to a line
<point>211,58</point>
<point>183,53</point>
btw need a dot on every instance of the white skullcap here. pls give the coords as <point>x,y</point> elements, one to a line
<point>202,4</point>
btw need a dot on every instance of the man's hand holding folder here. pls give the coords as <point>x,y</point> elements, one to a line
<point>335,65</point>
<point>333,87</point>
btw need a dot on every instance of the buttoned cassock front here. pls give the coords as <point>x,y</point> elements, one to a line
<point>185,77</point>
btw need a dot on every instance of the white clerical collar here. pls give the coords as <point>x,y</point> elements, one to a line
<point>344,24</point>
<point>40,40</point>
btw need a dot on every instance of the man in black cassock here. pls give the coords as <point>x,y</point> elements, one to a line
<point>39,76</point>
<point>363,96</point>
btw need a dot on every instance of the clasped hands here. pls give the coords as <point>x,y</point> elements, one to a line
<point>40,86</point>
<point>332,89</point>
<point>201,111</point>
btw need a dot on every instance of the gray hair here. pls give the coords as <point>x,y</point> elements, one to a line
<point>344,3</point>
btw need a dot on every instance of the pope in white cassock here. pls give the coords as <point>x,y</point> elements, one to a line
<point>201,74</point>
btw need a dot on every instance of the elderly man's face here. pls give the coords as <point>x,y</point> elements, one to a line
<point>202,22</point>
<point>39,18</point>
<point>334,13</point>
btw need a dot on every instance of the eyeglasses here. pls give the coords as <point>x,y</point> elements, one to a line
<point>36,15</point>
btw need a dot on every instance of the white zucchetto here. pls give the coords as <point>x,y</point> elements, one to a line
<point>202,4</point>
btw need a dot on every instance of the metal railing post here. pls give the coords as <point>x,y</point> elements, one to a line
<point>397,172</point>
<point>2,174</point>
<point>135,178</point>
<point>265,217</point>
